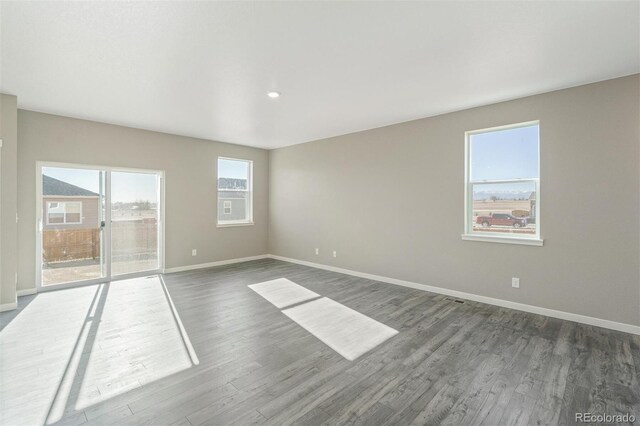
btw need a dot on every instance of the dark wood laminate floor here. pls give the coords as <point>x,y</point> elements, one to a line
<point>119,354</point>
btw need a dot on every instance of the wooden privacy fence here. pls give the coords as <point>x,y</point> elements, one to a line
<point>134,238</point>
<point>128,238</point>
<point>70,244</point>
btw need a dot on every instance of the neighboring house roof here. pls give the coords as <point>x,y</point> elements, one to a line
<point>55,187</point>
<point>231,183</point>
<point>532,196</point>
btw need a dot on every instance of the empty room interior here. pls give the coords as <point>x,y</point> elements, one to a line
<point>319,213</point>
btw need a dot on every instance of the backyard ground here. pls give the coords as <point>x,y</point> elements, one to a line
<point>79,270</point>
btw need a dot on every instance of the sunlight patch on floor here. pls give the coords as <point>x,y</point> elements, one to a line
<point>346,331</point>
<point>282,293</point>
<point>96,342</point>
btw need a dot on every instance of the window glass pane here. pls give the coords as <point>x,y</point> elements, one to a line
<point>56,207</point>
<point>234,186</point>
<point>233,207</point>
<point>72,243</point>
<point>72,207</point>
<point>135,221</point>
<point>56,217</point>
<point>504,208</point>
<point>73,218</point>
<point>233,174</point>
<point>504,154</point>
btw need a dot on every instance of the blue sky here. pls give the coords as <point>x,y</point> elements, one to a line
<point>128,187</point>
<point>125,187</point>
<point>505,154</point>
<point>232,169</point>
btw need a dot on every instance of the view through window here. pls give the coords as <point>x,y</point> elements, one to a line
<point>234,191</point>
<point>503,181</point>
<point>79,242</point>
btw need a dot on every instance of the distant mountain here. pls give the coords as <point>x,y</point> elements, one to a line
<point>501,195</point>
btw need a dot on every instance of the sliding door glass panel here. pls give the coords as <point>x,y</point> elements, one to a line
<point>134,222</point>
<point>72,228</point>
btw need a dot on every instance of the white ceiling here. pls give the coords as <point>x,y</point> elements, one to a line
<point>204,68</point>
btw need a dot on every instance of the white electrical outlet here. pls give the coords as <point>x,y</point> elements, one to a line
<point>335,253</point>
<point>194,252</point>
<point>317,251</point>
<point>515,282</point>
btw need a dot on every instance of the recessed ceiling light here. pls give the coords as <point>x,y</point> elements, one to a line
<point>273,95</point>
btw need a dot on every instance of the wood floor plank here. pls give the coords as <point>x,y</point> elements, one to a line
<point>119,354</point>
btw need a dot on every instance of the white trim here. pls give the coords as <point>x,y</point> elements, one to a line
<point>212,264</point>
<point>468,186</point>
<point>39,224</point>
<point>568,316</point>
<point>137,274</point>
<point>8,307</point>
<point>71,284</point>
<point>162,225</point>
<point>142,274</point>
<point>105,232</point>
<point>231,224</point>
<point>96,167</point>
<point>70,196</point>
<point>504,127</point>
<point>96,281</point>
<point>249,190</point>
<point>105,251</point>
<point>503,239</point>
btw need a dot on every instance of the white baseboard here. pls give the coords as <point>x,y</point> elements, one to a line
<point>166,271</point>
<point>212,264</point>
<point>8,307</point>
<point>598,322</point>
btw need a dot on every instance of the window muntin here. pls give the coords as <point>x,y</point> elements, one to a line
<point>503,182</point>
<point>235,191</point>
<point>64,213</point>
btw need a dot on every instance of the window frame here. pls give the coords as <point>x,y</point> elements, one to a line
<point>64,214</point>
<point>471,235</point>
<point>249,219</point>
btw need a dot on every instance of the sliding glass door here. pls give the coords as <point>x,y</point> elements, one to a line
<point>134,222</point>
<point>72,225</point>
<point>97,223</point>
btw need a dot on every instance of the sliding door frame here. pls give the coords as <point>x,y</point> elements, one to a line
<point>106,238</point>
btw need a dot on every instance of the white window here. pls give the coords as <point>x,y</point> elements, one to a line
<point>235,192</point>
<point>502,184</point>
<point>64,213</point>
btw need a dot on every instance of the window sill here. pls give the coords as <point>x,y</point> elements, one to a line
<point>231,225</point>
<point>503,240</point>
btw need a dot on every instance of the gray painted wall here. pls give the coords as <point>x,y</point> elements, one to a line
<point>8,202</point>
<point>346,193</point>
<point>190,171</point>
